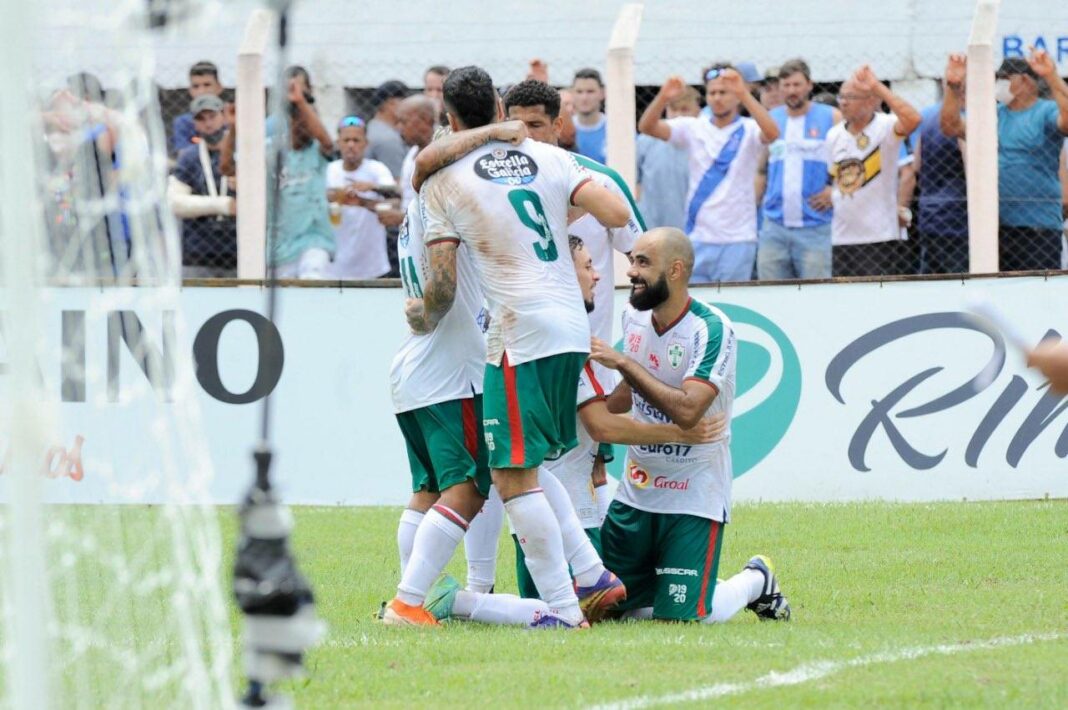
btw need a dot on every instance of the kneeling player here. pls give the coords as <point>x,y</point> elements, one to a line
<point>664,530</point>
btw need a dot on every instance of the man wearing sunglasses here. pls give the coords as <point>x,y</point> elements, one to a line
<point>723,153</point>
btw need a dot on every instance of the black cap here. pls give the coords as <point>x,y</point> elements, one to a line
<point>1015,65</point>
<point>392,89</point>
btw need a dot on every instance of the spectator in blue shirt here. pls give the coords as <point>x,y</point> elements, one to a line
<point>942,213</point>
<point>588,91</point>
<point>203,79</point>
<point>1030,134</point>
<point>664,170</point>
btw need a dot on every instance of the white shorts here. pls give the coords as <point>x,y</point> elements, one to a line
<point>312,264</point>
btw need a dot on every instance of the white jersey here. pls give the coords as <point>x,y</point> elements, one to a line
<point>865,171</point>
<point>573,469</point>
<point>508,205</point>
<point>694,479</point>
<point>723,166</point>
<point>601,240</point>
<point>361,238</point>
<point>447,363</point>
<point>407,173</point>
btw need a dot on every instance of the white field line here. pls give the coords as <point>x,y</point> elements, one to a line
<point>817,670</point>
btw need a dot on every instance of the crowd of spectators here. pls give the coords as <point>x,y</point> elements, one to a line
<point>770,177</point>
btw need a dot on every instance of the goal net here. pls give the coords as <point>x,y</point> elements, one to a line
<point>112,591</point>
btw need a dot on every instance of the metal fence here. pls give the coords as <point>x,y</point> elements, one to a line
<point>817,197</point>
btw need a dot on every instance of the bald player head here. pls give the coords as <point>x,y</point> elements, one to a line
<point>661,264</point>
<point>417,116</point>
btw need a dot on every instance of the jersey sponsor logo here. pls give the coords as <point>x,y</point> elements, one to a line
<point>676,571</point>
<point>666,484</point>
<point>506,167</point>
<point>680,451</point>
<point>638,478</point>
<point>675,353</point>
<point>654,361</point>
<point>649,410</point>
<point>634,341</point>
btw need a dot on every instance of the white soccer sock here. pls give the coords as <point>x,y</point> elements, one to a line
<point>498,608</point>
<point>435,541</point>
<point>585,563</point>
<point>603,501</point>
<point>480,544</point>
<point>539,535</point>
<point>406,528</point>
<point>732,595</point>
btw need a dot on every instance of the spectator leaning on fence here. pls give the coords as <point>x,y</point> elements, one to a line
<point>942,213</point>
<point>384,141</point>
<point>723,155</point>
<point>868,228</point>
<point>1030,135</point>
<point>200,196</point>
<point>795,239</point>
<point>433,83</point>
<point>303,241</point>
<point>590,123</point>
<point>203,80</point>
<point>351,183</point>
<point>664,172</point>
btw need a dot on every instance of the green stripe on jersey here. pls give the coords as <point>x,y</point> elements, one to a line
<point>714,325</point>
<point>605,170</point>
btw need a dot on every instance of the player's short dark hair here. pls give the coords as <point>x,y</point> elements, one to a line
<point>575,243</point>
<point>439,69</point>
<point>532,93</point>
<point>795,66</point>
<point>204,69</point>
<point>588,73</point>
<point>469,96</point>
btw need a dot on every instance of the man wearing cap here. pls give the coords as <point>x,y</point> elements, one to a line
<point>1030,135</point>
<point>200,197</point>
<point>384,140</point>
<point>203,80</point>
<point>721,218</point>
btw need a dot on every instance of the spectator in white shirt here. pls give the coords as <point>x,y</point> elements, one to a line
<point>868,227</point>
<point>351,188</point>
<point>723,154</point>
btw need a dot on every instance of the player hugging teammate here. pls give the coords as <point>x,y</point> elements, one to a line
<point>492,217</point>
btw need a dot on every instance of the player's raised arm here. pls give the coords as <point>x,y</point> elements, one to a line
<point>606,207</point>
<point>448,149</point>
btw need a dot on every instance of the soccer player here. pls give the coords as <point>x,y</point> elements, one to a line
<point>509,206</point>
<point>664,530</point>
<point>604,592</point>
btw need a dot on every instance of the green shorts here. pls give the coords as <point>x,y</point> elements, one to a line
<point>445,445</point>
<point>668,561</point>
<point>530,410</point>
<point>524,582</point>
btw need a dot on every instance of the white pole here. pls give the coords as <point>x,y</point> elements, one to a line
<point>27,599</point>
<point>251,148</point>
<point>981,155</point>
<point>620,105</point>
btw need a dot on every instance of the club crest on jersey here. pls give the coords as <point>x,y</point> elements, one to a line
<point>506,167</point>
<point>675,353</point>
<point>634,341</point>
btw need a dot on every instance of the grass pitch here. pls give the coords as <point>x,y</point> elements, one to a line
<point>895,605</point>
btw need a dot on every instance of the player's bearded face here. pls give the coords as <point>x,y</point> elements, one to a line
<point>645,296</point>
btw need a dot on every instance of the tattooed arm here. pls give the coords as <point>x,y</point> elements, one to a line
<point>440,290</point>
<point>448,149</point>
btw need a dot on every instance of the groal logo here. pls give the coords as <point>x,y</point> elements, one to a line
<point>506,167</point>
<point>767,389</point>
<point>638,478</point>
<point>666,483</point>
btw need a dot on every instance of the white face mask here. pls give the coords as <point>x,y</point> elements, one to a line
<point>1002,93</point>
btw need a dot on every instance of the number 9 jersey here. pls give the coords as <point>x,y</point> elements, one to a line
<point>449,362</point>
<point>508,206</point>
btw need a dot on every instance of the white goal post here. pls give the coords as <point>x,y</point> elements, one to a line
<point>981,152</point>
